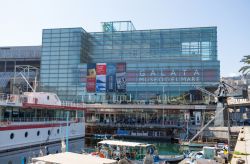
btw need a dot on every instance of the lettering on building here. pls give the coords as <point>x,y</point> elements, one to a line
<point>169,75</point>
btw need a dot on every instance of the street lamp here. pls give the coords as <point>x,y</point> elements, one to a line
<point>163,94</point>
<point>95,95</point>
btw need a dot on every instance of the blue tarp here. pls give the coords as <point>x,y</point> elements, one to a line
<point>122,132</point>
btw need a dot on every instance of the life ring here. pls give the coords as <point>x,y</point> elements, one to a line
<point>101,155</point>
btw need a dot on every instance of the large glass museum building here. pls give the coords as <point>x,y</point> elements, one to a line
<point>124,64</point>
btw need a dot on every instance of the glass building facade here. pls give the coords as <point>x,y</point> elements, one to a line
<point>10,57</point>
<point>129,65</point>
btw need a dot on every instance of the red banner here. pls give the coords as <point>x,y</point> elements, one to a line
<point>91,84</point>
<point>101,68</point>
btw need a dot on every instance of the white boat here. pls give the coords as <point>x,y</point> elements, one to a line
<point>36,118</point>
<point>134,152</point>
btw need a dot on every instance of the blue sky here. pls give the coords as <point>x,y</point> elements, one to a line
<point>22,21</point>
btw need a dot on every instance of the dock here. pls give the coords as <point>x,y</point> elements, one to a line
<point>242,147</point>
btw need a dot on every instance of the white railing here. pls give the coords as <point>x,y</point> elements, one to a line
<point>72,104</point>
<point>42,119</point>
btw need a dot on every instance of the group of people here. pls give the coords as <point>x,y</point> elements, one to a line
<point>124,155</point>
<point>115,152</point>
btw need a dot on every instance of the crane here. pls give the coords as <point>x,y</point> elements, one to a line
<point>223,90</point>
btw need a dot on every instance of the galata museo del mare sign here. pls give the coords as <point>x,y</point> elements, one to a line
<point>169,75</point>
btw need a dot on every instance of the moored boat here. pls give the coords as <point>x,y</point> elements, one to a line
<point>36,118</point>
<point>171,158</point>
<point>134,152</point>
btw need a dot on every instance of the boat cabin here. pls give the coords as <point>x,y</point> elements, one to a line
<point>114,149</point>
<point>41,98</point>
<point>37,107</point>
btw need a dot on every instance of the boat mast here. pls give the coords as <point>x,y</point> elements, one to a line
<point>67,133</point>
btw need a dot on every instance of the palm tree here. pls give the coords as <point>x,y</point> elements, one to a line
<point>245,69</point>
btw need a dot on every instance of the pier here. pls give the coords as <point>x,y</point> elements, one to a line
<point>242,148</point>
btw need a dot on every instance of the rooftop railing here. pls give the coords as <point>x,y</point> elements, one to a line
<point>72,104</point>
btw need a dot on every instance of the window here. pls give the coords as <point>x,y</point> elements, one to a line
<point>26,134</point>
<point>58,131</point>
<point>38,133</point>
<point>11,135</point>
<point>2,66</point>
<point>48,132</point>
<point>190,48</point>
<point>10,65</point>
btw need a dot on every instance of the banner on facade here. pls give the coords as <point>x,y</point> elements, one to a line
<point>91,78</point>
<point>111,78</point>
<point>101,69</point>
<point>101,77</point>
<point>121,77</point>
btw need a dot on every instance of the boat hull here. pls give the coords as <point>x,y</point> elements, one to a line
<point>17,136</point>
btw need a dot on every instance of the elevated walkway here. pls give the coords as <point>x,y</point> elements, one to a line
<point>150,106</point>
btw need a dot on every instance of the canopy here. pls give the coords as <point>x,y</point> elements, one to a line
<point>124,143</point>
<point>69,158</point>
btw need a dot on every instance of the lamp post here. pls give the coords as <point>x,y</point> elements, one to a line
<point>163,93</point>
<point>95,95</point>
<point>67,133</point>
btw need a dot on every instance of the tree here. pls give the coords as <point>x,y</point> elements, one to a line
<point>246,68</point>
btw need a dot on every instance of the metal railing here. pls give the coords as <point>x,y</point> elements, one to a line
<point>161,125</point>
<point>72,104</point>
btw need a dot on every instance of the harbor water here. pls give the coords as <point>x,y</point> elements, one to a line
<point>78,146</point>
